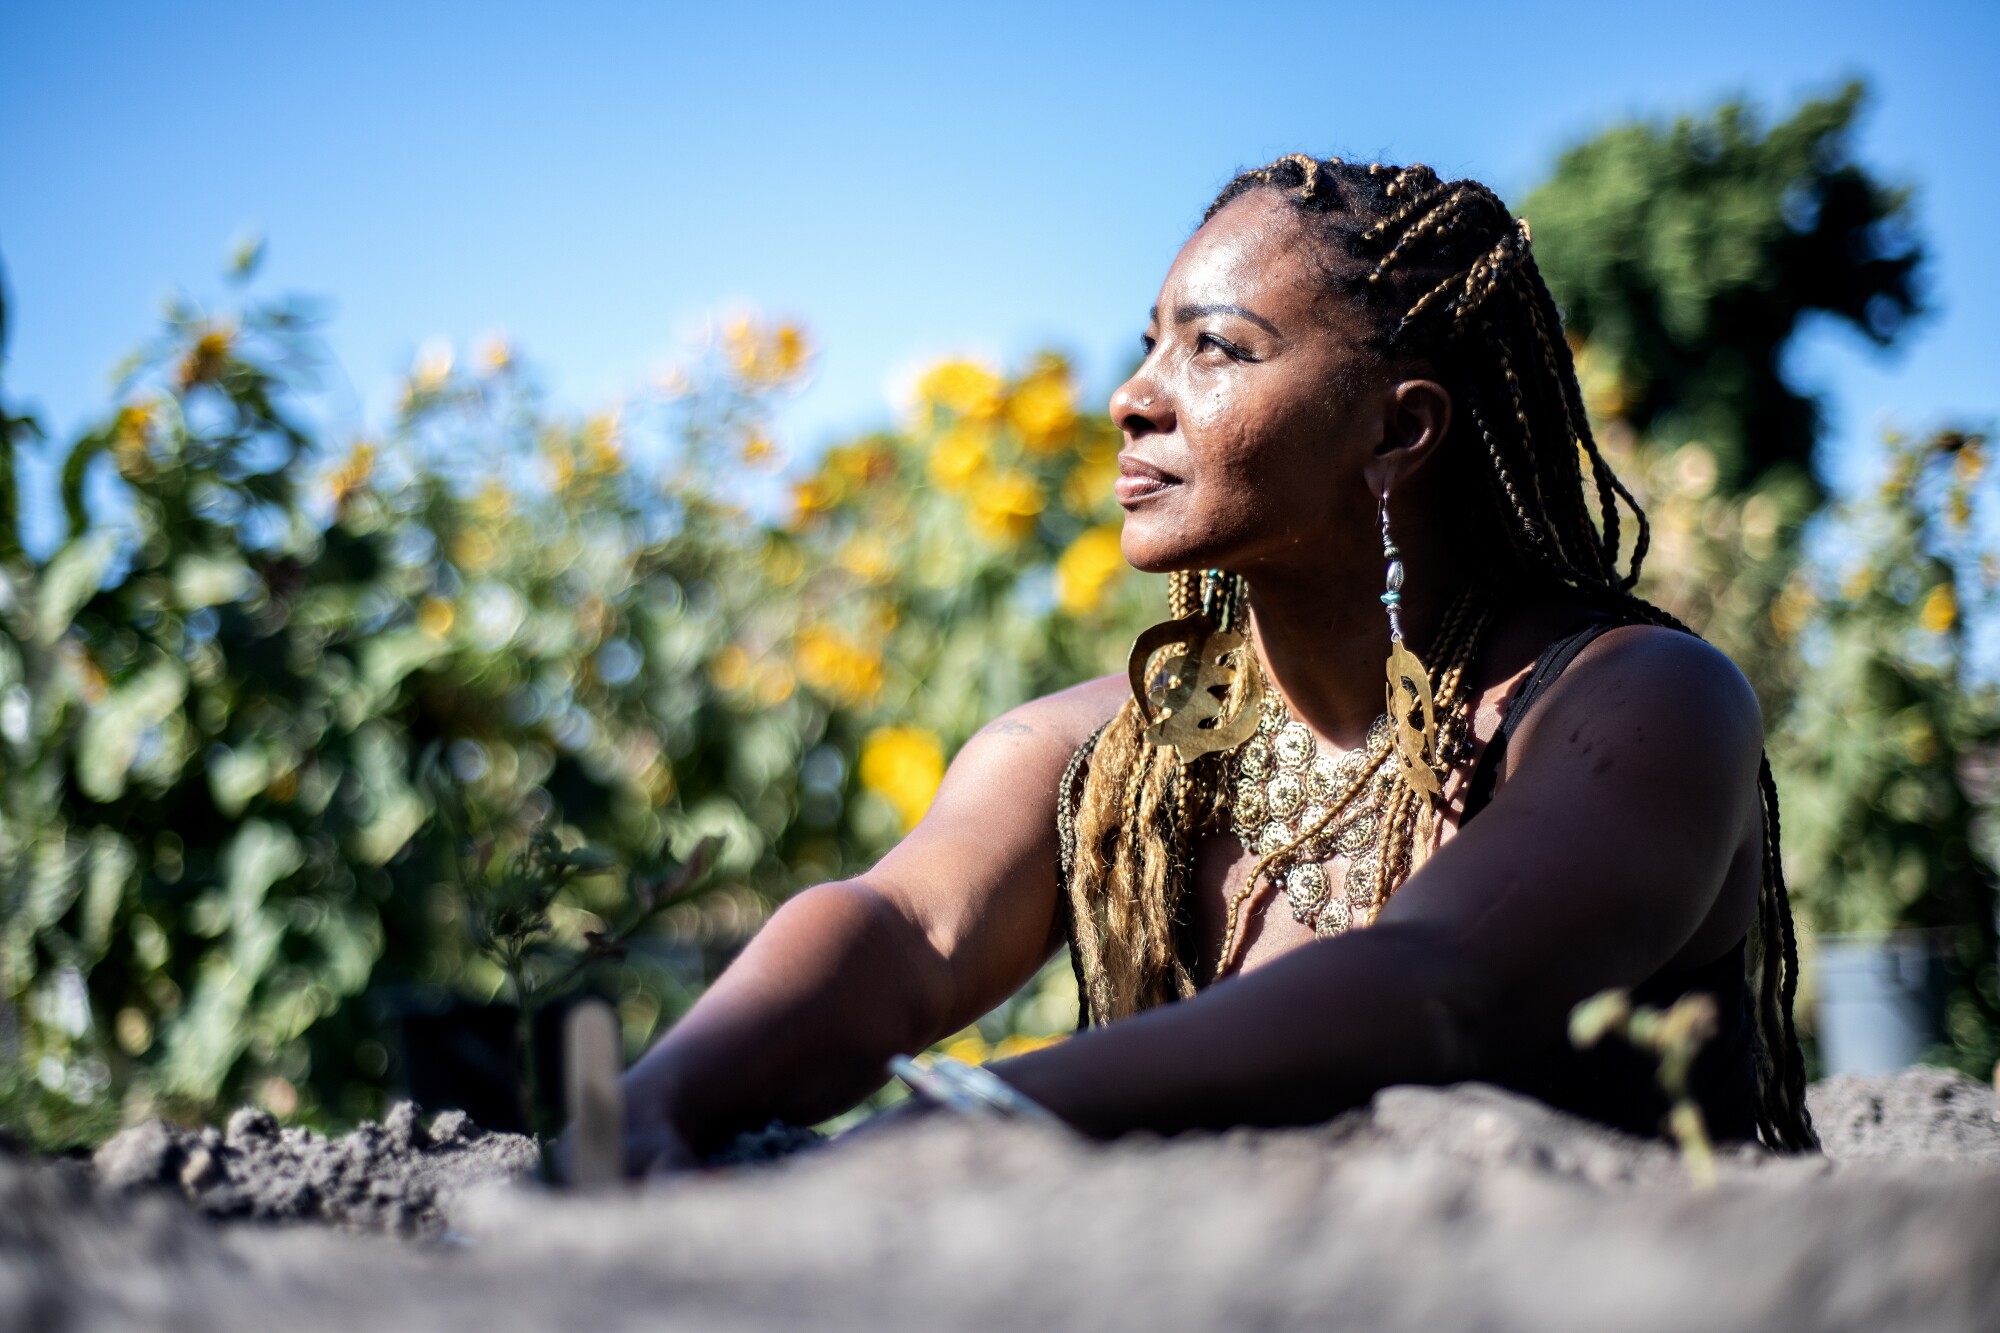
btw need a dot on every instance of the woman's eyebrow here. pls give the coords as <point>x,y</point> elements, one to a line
<point>1184,313</point>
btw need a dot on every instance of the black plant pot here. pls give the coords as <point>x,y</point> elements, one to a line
<point>455,1054</point>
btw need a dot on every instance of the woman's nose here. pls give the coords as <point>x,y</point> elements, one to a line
<point>1139,408</point>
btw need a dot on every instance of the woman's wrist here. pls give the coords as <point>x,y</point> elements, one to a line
<point>1040,1077</point>
<point>657,1092</point>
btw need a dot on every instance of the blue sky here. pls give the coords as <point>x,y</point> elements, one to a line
<point>594,179</point>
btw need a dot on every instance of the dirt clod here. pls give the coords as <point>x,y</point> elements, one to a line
<point>248,1125</point>
<point>393,1177</point>
<point>775,1141</point>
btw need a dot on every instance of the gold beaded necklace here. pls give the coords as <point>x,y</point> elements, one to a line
<point>1295,808</point>
<point>1301,807</point>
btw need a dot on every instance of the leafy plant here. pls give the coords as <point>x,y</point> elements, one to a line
<point>1886,756</point>
<point>511,919</point>
<point>1673,1036</point>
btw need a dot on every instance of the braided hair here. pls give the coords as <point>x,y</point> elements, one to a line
<point>1441,272</point>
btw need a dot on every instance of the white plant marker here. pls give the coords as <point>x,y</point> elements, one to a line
<point>596,1110</point>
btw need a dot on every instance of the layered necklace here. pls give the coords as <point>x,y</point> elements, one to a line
<point>1296,808</point>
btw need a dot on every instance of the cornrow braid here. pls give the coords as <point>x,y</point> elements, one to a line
<point>1442,273</point>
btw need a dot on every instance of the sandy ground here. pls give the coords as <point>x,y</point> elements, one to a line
<point>1452,1209</point>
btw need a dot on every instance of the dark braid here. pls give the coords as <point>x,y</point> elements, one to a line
<point>1443,273</point>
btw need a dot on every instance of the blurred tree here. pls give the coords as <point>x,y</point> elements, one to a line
<point>55,1103</point>
<point>1685,257</point>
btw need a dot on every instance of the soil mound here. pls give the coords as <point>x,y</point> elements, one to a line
<point>393,1177</point>
<point>1455,1210</point>
<point>1446,1210</point>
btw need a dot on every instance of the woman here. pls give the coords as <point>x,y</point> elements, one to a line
<point>1279,897</point>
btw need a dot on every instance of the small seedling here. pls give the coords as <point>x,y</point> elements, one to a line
<point>1673,1036</point>
<point>512,925</point>
<point>510,914</point>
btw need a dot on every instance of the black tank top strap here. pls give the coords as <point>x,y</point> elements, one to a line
<point>1555,659</point>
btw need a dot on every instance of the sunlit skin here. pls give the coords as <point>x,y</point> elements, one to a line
<point>1259,435</point>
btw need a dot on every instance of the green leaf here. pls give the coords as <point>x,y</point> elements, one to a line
<point>113,872</point>
<point>208,580</point>
<point>387,659</point>
<point>245,256</point>
<point>584,859</point>
<point>203,1041</point>
<point>71,579</point>
<point>54,880</point>
<point>352,940</point>
<point>394,811</point>
<point>75,470</point>
<point>261,854</point>
<point>109,739</point>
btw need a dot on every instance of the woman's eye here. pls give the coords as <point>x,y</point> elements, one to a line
<point>1223,345</point>
<point>1147,341</point>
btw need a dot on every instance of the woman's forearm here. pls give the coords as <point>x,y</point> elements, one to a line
<point>1294,1042</point>
<point>801,1024</point>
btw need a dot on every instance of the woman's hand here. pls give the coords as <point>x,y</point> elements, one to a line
<point>654,1147</point>
<point>655,1142</point>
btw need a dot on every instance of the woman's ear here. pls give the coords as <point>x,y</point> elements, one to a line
<point>1415,417</point>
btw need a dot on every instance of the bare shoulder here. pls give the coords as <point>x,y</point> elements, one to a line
<point>1065,719</point>
<point>1646,687</point>
<point>1674,668</point>
<point>1025,751</point>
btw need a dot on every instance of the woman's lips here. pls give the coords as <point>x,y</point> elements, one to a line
<point>1138,479</point>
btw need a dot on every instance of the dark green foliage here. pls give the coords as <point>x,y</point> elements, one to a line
<point>15,432</point>
<point>1690,253</point>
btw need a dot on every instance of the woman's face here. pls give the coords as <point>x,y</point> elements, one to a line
<point>1250,422</point>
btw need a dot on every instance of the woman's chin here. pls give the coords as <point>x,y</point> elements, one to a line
<point>1154,552</point>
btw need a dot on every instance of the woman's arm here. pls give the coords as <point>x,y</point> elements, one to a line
<point>1631,800</point>
<point>952,921</point>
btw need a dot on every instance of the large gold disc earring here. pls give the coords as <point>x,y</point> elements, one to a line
<point>1412,710</point>
<point>1202,697</point>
